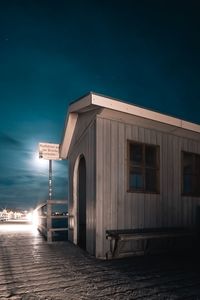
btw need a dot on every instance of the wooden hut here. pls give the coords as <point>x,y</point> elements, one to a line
<point>130,168</point>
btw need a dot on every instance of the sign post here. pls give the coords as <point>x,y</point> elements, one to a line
<point>49,152</point>
<point>50,179</point>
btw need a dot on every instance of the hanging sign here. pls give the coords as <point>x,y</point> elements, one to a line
<point>49,151</point>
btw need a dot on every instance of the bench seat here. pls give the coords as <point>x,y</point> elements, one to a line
<point>117,237</point>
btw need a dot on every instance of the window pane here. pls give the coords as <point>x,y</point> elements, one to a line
<point>187,163</point>
<point>151,180</point>
<point>143,167</point>
<point>150,156</point>
<point>136,179</point>
<point>136,154</point>
<point>187,184</point>
<point>191,174</point>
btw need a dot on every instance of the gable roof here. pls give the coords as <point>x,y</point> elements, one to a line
<point>92,101</point>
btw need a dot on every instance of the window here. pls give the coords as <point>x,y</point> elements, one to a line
<point>190,174</point>
<point>143,167</point>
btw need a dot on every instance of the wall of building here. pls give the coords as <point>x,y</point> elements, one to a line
<point>83,143</point>
<point>118,209</point>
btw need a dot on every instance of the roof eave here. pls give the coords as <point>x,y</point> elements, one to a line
<point>93,100</point>
<point>102,101</point>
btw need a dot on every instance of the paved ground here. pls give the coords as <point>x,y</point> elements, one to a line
<point>30,269</point>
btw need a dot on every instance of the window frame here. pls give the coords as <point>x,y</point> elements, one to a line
<point>193,174</point>
<point>143,167</point>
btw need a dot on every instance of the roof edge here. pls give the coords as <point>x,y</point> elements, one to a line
<point>94,99</point>
<point>132,109</point>
<point>81,103</point>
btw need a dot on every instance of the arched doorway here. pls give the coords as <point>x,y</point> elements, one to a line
<point>81,211</point>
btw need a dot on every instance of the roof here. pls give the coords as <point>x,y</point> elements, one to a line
<point>92,101</point>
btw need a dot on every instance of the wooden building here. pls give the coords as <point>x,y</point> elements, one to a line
<point>129,167</point>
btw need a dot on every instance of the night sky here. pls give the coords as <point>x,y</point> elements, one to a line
<point>53,52</point>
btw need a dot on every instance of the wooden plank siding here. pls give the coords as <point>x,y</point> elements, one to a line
<point>102,136</point>
<point>116,208</point>
<point>84,143</point>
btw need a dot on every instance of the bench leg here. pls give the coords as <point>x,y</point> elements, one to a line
<point>113,251</point>
<point>109,253</point>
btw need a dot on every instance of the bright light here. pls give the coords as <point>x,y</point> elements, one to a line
<point>15,228</point>
<point>39,162</point>
<point>29,217</point>
<point>35,218</point>
<point>18,227</point>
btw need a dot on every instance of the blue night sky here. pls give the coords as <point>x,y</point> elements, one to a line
<point>52,52</point>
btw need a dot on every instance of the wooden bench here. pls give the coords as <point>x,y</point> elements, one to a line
<point>118,237</point>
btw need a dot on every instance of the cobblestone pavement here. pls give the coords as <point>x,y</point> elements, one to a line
<point>30,269</point>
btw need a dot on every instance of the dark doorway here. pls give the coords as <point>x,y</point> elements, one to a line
<point>82,203</point>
